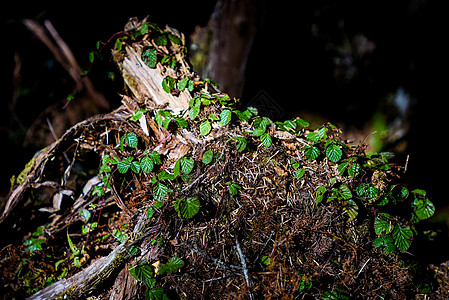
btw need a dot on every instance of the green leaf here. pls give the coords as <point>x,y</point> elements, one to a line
<point>300,173</point>
<point>258,131</point>
<point>98,190</point>
<point>320,191</point>
<point>419,192</point>
<point>241,142</point>
<point>206,99</point>
<point>301,122</point>
<point>367,191</point>
<point>183,83</point>
<point>155,157</point>
<point>386,240</point>
<point>150,212</point>
<point>135,166</point>
<point>131,139</point>
<point>155,206</point>
<point>354,169</point>
<point>167,176</point>
<point>243,116</point>
<point>186,165</point>
<point>150,58</point>
<point>73,248</point>
<point>166,60</point>
<point>345,192</point>
<point>304,286</point>
<point>118,44</point>
<point>190,85</point>
<point>167,84</point>
<point>225,117</point>
<point>161,40</point>
<point>120,235</point>
<point>295,164</point>
<point>322,133</point>
<point>165,113</point>
<point>372,192</point>
<point>158,118</point>
<point>189,207</point>
<point>177,168</point>
<point>314,136</point>
<point>342,167</point>
<point>195,102</point>
<point>289,124</point>
<point>378,242</point>
<point>351,209</point>
<point>262,123</point>
<point>138,114</point>
<point>398,192</point>
<point>174,39</point>
<point>146,164</point>
<point>265,260</point>
<point>182,123</point>
<point>225,100</point>
<point>266,139</point>
<point>155,294</point>
<point>166,122</point>
<point>158,205</point>
<point>402,237</point>
<point>233,188</point>
<point>312,153</point>
<point>382,224</point>
<point>85,215</point>
<point>91,56</point>
<point>317,135</point>
<point>193,112</point>
<point>205,128</point>
<point>38,232</point>
<point>144,273</point>
<point>173,265</point>
<point>424,208</point>
<point>160,192</point>
<point>123,166</point>
<point>34,244</point>
<point>334,153</point>
<point>253,110</point>
<point>208,156</point>
<point>144,28</point>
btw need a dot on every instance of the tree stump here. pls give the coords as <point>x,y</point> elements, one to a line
<point>181,193</point>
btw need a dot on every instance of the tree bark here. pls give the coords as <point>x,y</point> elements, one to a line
<point>234,25</point>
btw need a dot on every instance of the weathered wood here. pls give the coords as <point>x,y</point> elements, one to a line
<point>234,28</point>
<point>38,162</point>
<point>90,278</point>
<point>146,83</point>
<point>87,280</point>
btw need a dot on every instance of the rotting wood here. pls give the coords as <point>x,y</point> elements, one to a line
<point>146,83</point>
<point>87,280</point>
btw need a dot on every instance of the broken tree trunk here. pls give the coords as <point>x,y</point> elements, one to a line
<point>181,192</point>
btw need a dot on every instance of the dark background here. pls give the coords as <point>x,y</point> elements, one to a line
<point>293,60</point>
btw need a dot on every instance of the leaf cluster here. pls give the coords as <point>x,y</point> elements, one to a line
<point>149,274</point>
<point>330,143</point>
<point>381,195</point>
<point>145,163</point>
